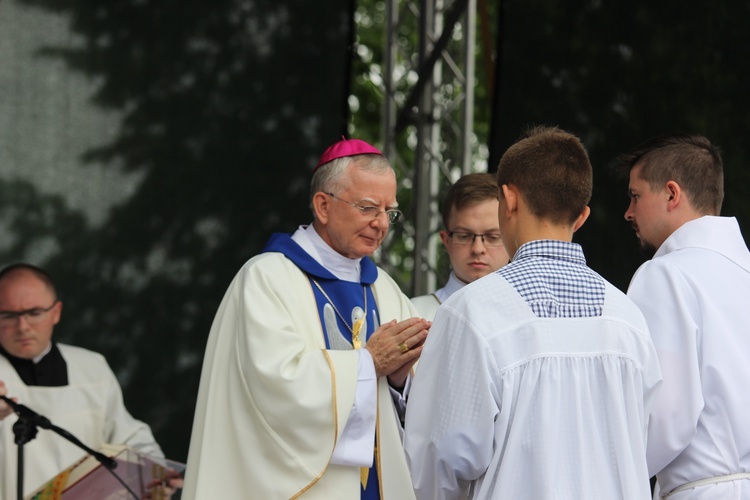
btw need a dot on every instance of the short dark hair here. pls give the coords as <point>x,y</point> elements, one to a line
<point>690,160</point>
<point>40,273</point>
<point>469,190</point>
<point>552,170</point>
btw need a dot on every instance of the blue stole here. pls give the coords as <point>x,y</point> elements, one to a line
<point>348,299</point>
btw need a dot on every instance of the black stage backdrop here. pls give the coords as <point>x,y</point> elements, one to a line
<point>616,73</point>
<point>147,150</point>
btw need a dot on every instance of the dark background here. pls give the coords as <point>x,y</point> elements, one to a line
<point>148,149</point>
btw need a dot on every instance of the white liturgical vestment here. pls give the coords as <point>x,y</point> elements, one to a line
<point>506,404</point>
<point>273,400</point>
<point>695,295</point>
<point>90,407</point>
<point>427,305</point>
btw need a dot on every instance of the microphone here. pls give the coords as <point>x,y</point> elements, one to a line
<point>24,412</point>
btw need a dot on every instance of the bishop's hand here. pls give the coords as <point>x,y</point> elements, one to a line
<point>396,346</point>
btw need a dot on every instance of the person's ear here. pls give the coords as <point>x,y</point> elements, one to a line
<point>445,237</point>
<point>57,312</point>
<point>675,194</point>
<point>321,203</point>
<point>510,198</point>
<point>582,218</point>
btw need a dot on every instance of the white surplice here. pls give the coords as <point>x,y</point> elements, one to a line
<point>90,407</point>
<point>427,305</point>
<point>507,405</point>
<point>695,295</point>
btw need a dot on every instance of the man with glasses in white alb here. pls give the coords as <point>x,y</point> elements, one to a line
<point>471,237</point>
<point>306,366</point>
<point>73,387</point>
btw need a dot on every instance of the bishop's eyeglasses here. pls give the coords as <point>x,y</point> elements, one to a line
<point>372,212</point>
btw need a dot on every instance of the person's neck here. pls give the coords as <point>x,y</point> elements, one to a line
<point>340,266</point>
<point>532,228</point>
<point>35,359</point>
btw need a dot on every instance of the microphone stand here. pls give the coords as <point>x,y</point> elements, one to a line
<point>25,429</point>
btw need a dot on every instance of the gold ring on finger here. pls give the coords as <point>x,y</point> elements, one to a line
<point>403,347</point>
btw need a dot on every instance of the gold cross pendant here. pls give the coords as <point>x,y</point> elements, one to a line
<point>356,330</point>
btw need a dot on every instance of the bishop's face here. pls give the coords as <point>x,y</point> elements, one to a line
<point>348,230</point>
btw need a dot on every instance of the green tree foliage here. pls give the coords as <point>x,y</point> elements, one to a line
<point>369,94</point>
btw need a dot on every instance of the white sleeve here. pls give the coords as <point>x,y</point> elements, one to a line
<point>451,411</point>
<point>399,398</point>
<point>669,304</point>
<point>122,428</point>
<point>356,445</point>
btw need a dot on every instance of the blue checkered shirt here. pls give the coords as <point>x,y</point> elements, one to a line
<point>553,279</point>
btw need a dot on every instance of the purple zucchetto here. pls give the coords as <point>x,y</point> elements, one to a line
<point>346,147</point>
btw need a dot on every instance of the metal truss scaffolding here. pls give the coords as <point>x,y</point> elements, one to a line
<point>429,72</point>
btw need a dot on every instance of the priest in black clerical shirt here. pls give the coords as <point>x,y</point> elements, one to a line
<point>49,371</point>
<point>73,387</point>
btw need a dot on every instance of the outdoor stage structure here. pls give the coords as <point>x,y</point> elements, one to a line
<point>431,116</point>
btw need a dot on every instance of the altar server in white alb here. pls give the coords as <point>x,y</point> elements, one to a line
<point>471,237</point>
<point>695,295</point>
<point>536,381</point>
<point>308,357</point>
<point>73,387</point>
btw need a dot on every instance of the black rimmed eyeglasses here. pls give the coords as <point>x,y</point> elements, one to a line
<point>33,316</point>
<point>490,240</point>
